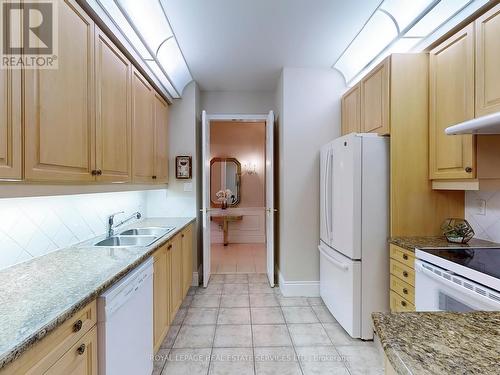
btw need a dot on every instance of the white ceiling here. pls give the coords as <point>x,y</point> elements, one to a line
<point>243,44</point>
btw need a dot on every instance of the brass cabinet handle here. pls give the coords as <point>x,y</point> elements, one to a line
<point>99,172</point>
<point>468,169</point>
<point>405,257</point>
<point>78,325</point>
<point>153,177</point>
<point>182,235</point>
<point>81,349</point>
<point>405,291</point>
<point>403,303</point>
<point>405,274</point>
<point>169,247</point>
<point>94,172</point>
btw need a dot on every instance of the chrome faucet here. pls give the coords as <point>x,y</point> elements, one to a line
<point>111,221</point>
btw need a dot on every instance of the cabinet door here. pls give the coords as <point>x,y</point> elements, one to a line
<point>451,102</point>
<point>59,105</point>
<point>113,112</point>
<point>351,111</point>
<point>160,297</point>
<point>187,258</point>
<point>81,359</point>
<point>488,62</point>
<point>143,128</point>
<point>10,125</point>
<point>176,272</point>
<point>161,140</point>
<point>375,100</point>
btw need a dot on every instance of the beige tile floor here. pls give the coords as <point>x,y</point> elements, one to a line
<point>238,258</point>
<point>239,325</point>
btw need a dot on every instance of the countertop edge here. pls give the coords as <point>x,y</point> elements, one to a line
<point>10,356</point>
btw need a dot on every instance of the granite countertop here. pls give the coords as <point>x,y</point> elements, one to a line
<point>412,243</point>
<point>441,342</point>
<point>38,295</point>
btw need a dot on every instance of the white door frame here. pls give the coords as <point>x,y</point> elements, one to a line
<point>206,119</point>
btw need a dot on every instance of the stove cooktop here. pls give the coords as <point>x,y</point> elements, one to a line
<point>484,260</point>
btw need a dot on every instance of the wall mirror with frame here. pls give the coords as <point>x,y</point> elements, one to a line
<point>225,182</point>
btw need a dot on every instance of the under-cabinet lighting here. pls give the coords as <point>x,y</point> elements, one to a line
<point>398,26</point>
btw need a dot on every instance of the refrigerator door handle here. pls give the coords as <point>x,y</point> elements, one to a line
<point>327,204</point>
<point>334,261</point>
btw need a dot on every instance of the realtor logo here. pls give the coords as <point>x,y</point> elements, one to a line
<point>29,34</point>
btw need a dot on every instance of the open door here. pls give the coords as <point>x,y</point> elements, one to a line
<point>205,156</point>
<point>270,210</point>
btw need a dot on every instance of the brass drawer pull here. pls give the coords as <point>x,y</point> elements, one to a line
<point>403,303</point>
<point>81,349</point>
<point>78,325</point>
<point>405,291</point>
<point>405,256</point>
<point>405,274</point>
<point>169,247</point>
<point>468,169</point>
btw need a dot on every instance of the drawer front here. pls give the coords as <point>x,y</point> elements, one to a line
<point>403,289</point>
<point>44,354</point>
<point>402,255</point>
<point>399,304</point>
<point>403,272</point>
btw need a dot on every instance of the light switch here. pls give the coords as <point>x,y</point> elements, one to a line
<point>188,186</point>
<point>481,207</point>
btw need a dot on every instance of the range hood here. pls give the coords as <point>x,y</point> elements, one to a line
<point>489,124</point>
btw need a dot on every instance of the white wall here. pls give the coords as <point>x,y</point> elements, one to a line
<point>237,102</point>
<point>308,106</point>
<point>486,227</point>
<point>34,226</point>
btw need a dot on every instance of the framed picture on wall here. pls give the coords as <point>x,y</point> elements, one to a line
<point>183,168</point>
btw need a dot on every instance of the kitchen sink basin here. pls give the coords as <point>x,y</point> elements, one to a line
<point>147,231</point>
<point>117,241</point>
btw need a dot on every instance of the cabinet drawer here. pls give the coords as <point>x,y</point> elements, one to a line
<point>402,255</point>
<point>402,271</point>
<point>45,353</point>
<point>403,289</point>
<point>399,304</point>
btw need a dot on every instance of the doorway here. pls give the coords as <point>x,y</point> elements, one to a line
<point>238,192</point>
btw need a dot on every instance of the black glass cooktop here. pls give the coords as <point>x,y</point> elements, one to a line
<point>486,260</point>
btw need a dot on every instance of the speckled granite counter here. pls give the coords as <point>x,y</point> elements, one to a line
<point>441,342</point>
<point>412,243</point>
<point>38,295</point>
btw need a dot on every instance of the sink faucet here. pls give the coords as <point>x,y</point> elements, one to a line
<point>111,221</point>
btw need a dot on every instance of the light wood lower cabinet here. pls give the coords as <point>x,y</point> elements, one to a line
<point>402,279</point>
<point>62,351</point>
<point>177,294</point>
<point>59,105</point>
<point>161,295</point>
<point>187,258</point>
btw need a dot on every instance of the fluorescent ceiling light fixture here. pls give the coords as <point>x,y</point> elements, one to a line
<point>396,26</point>
<point>145,25</point>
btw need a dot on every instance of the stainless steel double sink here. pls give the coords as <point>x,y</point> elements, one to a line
<point>135,237</point>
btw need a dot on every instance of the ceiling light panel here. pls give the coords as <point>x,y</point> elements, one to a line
<point>406,11</point>
<point>170,57</point>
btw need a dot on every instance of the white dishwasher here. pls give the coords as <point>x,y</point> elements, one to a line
<point>125,324</point>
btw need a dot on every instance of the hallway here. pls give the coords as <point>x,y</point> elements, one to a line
<point>238,258</point>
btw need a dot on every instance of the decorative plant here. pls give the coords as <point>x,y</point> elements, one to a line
<point>457,230</point>
<point>223,196</point>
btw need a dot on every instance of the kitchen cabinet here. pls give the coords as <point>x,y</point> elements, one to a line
<point>81,359</point>
<point>451,102</point>
<point>113,112</point>
<point>161,139</point>
<point>62,350</point>
<point>487,28</point>
<point>351,111</point>
<point>10,125</point>
<point>402,279</point>
<point>187,258</point>
<point>161,295</point>
<point>143,129</point>
<point>375,99</point>
<point>177,294</point>
<point>59,105</point>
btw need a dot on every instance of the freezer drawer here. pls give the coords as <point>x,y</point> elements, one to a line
<point>340,288</point>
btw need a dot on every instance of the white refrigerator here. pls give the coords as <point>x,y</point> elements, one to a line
<point>354,209</point>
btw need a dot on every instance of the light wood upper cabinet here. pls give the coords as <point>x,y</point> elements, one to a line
<point>488,62</point>
<point>143,129</point>
<point>351,111</point>
<point>10,125</point>
<point>452,102</point>
<point>176,280</point>
<point>161,308</point>
<point>161,139</point>
<point>187,258</point>
<point>81,359</point>
<point>113,112</point>
<point>375,99</point>
<point>59,105</point>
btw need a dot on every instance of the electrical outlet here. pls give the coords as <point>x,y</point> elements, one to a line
<point>480,207</point>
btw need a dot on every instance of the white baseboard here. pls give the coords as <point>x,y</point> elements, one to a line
<point>298,288</point>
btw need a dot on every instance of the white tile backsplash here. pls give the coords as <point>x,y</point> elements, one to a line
<point>487,226</point>
<point>35,226</point>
